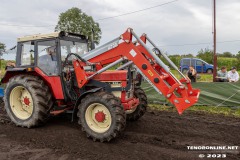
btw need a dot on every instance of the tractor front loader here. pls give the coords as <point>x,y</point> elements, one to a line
<point>56,73</point>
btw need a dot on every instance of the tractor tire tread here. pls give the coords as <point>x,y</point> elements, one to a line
<point>42,98</point>
<point>141,108</point>
<point>116,107</point>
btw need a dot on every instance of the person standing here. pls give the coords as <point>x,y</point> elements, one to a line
<point>222,75</point>
<point>233,75</point>
<point>192,74</point>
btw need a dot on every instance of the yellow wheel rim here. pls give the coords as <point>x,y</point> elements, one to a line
<point>21,102</point>
<point>98,117</point>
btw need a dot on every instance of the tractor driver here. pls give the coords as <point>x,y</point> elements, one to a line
<point>48,61</point>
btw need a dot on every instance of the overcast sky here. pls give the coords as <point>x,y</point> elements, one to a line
<point>170,26</point>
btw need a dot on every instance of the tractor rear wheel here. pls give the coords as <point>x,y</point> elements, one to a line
<point>101,116</point>
<point>27,101</point>
<point>139,111</point>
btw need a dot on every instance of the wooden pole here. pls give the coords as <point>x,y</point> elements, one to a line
<point>214,42</point>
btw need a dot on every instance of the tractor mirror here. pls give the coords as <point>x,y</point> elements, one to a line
<point>92,45</point>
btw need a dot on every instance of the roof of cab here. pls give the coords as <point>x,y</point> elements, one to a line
<point>38,36</point>
<point>49,35</point>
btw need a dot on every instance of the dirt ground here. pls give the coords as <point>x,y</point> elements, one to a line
<point>157,135</point>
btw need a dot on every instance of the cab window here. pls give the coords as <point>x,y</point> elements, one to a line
<point>72,47</point>
<point>27,53</point>
<point>186,62</point>
<point>47,57</point>
<point>199,63</point>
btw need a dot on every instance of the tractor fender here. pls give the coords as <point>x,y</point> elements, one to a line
<point>11,72</point>
<point>81,97</point>
<point>85,94</point>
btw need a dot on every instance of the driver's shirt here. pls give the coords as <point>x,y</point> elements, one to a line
<point>48,64</point>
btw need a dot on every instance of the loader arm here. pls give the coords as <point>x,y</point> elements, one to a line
<point>179,92</point>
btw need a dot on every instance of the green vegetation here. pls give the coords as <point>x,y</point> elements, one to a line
<point>2,46</point>
<point>3,64</point>
<point>206,55</point>
<point>226,111</point>
<point>224,59</point>
<point>228,62</point>
<point>2,67</point>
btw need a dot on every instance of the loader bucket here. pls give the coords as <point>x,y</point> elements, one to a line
<point>183,103</point>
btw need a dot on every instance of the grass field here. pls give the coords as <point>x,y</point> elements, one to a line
<point>225,111</point>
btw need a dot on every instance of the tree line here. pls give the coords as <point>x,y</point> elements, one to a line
<point>226,59</point>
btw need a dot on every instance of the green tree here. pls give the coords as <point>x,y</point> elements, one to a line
<point>189,55</point>
<point>2,46</point>
<point>206,55</point>
<point>227,54</point>
<point>238,55</point>
<point>238,60</point>
<point>76,21</point>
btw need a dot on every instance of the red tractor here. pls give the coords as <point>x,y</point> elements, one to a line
<point>56,73</point>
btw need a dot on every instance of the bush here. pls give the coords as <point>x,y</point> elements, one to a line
<point>228,62</point>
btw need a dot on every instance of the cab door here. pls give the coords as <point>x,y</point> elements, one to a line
<point>48,66</point>
<point>200,66</point>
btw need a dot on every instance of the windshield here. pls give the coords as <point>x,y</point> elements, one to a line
<point>204,62</point>
<point>72,47</point>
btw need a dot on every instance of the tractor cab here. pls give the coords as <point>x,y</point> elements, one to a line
<point>48,51</point>
<point>44,56</point>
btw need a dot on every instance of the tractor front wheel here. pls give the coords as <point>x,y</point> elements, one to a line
<point>139,111</point>
<point>101,116</point>
<point>27,101</point>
